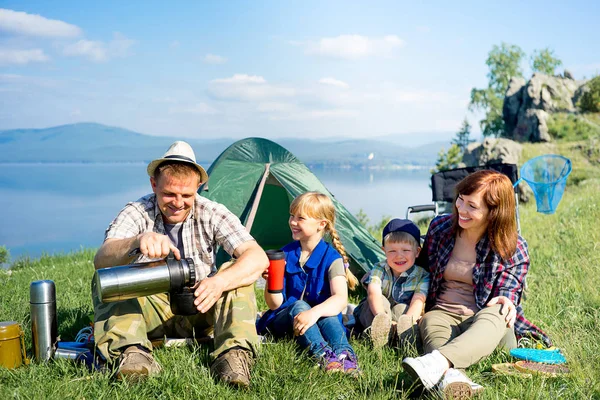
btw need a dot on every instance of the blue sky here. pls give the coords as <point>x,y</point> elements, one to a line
<point>272,68</point>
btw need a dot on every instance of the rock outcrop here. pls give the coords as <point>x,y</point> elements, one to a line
<point>527,104</point>
<point>492,151</point>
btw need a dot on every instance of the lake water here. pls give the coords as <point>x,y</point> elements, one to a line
<point>50,208</point>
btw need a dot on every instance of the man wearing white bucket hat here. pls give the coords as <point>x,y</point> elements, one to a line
<point>174,218</point>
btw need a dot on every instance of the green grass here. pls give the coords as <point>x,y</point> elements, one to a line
<point>569,127</point>
<point>563,299</point>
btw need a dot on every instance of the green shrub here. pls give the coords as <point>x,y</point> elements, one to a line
<point>590,100</point>
<point>4,255</point>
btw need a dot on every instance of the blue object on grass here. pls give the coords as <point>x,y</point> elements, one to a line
<point>547,177</point>
<point>541,356</point>
<point>71,345</point>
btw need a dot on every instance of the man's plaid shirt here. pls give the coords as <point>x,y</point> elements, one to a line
<point>492,276</point>
<point>209,224</point>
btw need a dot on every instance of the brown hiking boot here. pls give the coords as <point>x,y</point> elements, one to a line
<point>136,363</point>
<point>233,367</point>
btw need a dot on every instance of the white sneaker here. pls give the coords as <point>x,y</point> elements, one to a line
<point>429,368</point>
<point>456,385</point>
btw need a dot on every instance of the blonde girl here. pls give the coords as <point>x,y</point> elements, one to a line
<point>315,290</point>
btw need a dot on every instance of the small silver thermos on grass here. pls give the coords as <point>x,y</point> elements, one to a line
<point>44,323</point>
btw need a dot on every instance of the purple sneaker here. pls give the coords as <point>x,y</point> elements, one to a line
<point>350,364</point>
<point>330,362</point>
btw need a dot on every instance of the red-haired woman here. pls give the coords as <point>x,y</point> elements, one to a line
<point>478,264</point>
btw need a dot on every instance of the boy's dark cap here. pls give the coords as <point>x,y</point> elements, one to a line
<point>402,225</point>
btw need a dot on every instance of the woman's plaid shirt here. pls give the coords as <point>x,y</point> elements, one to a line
<point>492,276</point>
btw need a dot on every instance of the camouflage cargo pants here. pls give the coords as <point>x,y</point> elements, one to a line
<point>232,319</point>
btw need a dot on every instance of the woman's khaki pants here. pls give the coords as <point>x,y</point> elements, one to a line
<point>464,340</point>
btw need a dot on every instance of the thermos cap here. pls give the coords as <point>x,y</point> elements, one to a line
<point>42,292</point>
<point>275,254</point>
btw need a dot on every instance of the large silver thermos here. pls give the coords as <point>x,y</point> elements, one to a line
<point>124,282</point>
<point>44,323</point>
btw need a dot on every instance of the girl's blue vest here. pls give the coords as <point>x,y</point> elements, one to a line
<point>313,281</point>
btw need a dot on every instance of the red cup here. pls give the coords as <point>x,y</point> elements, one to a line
<point>276,271</point>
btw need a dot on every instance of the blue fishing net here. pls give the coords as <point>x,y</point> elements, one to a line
<point>547,177</point>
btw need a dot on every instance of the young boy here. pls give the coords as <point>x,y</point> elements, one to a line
<point>396,287</point>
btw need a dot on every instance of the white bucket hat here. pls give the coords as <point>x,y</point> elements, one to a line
<point>179,151</point>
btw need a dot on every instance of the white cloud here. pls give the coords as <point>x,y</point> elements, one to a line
<point>247,88</point>
<point>419,96</point>
<point>240,79</point>
<point>307,115</point>
<point>93,50</point>
<point>99,51</point>
<point>274,107</point>
<point>22,57</point>
<point>214,59</point>
<point>120,45</point>
<point>199,109</point>
<point>353,47</point>
<point>22,23</point>
<point>334,82</point>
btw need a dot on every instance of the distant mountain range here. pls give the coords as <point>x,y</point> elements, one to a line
<point>93,143</point>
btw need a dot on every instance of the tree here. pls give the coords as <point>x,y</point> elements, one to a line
<point>448,159</point>
<point>4,255</point>
<point>463,137</point>
<point>590,100</point>
<point>504,63</point>
<point>544,61</point>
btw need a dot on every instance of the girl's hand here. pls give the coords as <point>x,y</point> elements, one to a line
<point>303,321</point>
<point>508,308</point>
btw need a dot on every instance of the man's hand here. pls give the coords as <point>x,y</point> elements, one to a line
<point>155,245</point>
<point>508,309</point>
<point>208,292</point>
<point>303,321</point>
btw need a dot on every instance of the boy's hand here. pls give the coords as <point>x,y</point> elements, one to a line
<point>265,274</point>
<point>303,321</point>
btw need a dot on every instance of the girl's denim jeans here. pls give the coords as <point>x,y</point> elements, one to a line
<point>327,334</point>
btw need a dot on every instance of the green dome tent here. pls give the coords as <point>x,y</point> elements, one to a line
<point>257,179</point>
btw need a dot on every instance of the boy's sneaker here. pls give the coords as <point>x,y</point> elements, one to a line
<point>350,363</point>
<point>405,324</point>
<point>380,330</point>
<point>456,385</point>
<point>330,362</point>
<point>429,369</point>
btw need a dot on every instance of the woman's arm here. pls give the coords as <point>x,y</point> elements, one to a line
<point>330,307</point>
<point>508,284</point>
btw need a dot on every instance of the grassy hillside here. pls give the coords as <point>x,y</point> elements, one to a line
<point>563,299</point>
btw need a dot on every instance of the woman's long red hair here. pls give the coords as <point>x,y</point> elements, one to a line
<point>499,196</point>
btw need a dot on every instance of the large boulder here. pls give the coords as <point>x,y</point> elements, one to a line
<point>512,102</point>
<point>526,105</point>
<point>493,151</point>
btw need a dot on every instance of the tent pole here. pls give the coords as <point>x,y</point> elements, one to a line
<point>256,201</point>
